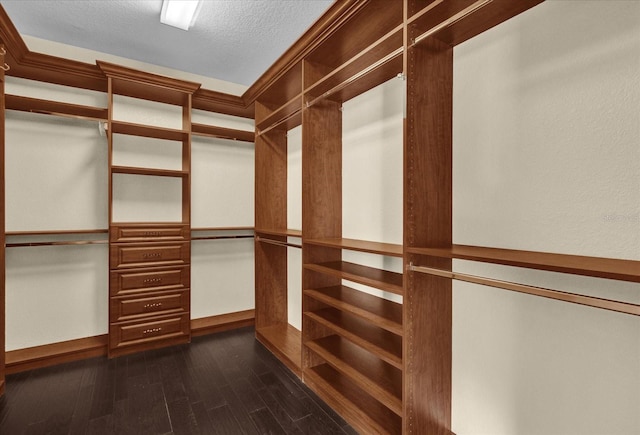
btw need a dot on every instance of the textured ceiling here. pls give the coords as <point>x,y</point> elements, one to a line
<point>233,40</point>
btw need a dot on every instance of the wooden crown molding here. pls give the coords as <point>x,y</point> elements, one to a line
<point>119,72</point>
<point>215,101</point>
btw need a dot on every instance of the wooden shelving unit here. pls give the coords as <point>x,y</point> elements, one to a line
<point>56,108</point>
<point>149,282</point>
<point>378,278</point>
<point>3,51</point>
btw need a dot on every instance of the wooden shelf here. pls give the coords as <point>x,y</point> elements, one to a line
<point>381,312</point>
<point>286,116</point>
<point>389,249</point>
<point>285,342</point>
<point>623,270</point>
<point>456,21</point>
<point>384,344</point>
<point>378,63</point>
<point>222,133</point>
<point>365,413</point>
<point>149,171</point>
<point>275,232</point>
<point>371,374</point>
<point>46,107</point>
<point>378,278</point>
<point>122,127</point>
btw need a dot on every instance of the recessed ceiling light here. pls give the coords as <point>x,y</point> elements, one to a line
<point>179,13</point>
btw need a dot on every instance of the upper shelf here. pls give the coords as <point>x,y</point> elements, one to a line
<point>455,21</point>
<point>222,132</point>
<point>623,270</point>
<point>148,131</point>
<point>46,107</point>
<point>389,249</point>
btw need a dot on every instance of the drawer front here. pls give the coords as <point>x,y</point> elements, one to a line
<point>149,233</point>
<point>128,282</point>
<point>167,254</point>
<point>131,308</point>
<point>123,335</point>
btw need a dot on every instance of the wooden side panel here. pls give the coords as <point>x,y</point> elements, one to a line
<point>428,183</point>
<point>271,180</point>
<point>2,227</point>
<point>271,284</point>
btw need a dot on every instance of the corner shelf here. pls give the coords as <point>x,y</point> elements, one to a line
<point>378,278</point>
<point>222,133</point>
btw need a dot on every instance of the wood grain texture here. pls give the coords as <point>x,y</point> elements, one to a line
<point>378,278</point>
<point>381,312</point>
<point>222,133</point>
<point>427,302</point>
<point>285,342</point>
<point>222,322</point>
<point>390,249</point>
<point>46,107</point>
<point>2,225</point>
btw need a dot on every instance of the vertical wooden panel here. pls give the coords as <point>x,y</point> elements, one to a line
<point>271,180</point>
<point>271,284</point>
<point>2,226</point>
<point>428,207</point>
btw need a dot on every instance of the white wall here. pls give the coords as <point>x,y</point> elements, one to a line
<point>547,157</point>
<point>372,152</point>
<point>57,179</point>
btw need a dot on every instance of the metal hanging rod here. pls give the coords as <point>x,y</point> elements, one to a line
<point>57,243</point>
<point>6,67</point>
<point>606,304</point>
<point>244,236</point>
<point>278,243</point>
<point>3,52</point>
<point>453,19</point>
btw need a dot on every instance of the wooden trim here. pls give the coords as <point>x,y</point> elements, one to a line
<point>332,19</point>
<point>36,357</point>
<point>119,72</point>
<point>214,101</point>
<point>55,353</point>
<point>222,322</point>
<point>55,232</point>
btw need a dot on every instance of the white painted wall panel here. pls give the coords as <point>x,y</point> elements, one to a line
<point>547,157</point>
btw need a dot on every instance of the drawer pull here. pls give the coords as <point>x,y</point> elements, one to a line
<point>152,281</point>
<point>151,330</point>
<point>152,255</point>
<point>151,233</point>
<point>154,305</point>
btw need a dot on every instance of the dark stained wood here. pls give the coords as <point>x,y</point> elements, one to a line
<point>224,383</point>
<point>378,378</point>
<point>612,268</point>
<point>222,133</point>
<point>36,105</point>
<point>379,311</point>
<point>361,410</point>
<point>385,345</point>
<point>390,249</point>
<point>378,278</point>
<point>427,301</point>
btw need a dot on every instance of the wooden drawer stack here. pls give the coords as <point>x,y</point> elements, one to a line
<point>149,286</point>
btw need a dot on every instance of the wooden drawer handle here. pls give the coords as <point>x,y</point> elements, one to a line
<point>152,281</point>
<point>152,330</point>
<point>152,255</point>
<point>154,305</point>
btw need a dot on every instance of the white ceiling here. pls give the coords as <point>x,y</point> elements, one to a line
<point>232,40</point>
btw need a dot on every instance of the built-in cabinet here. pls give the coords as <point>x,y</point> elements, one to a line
<point>384,365</point>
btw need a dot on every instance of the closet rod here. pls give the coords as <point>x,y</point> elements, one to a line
<point>452,20</point>
<point>606,304</point>
<point>58,243</point>
<point>278,243</point>
<point>374,66</point>
<point>279,122</point>
<point>244,236</point>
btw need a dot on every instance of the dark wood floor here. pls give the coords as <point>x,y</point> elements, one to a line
<point>225,383</point>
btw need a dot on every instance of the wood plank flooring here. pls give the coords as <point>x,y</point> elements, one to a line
<point>226,383</point>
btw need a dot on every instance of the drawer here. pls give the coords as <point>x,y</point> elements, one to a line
<point>126,282</point>
<point>149,254</point>
<point>149,233</point>
<point>139,333</point>
<point>131,308</point>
